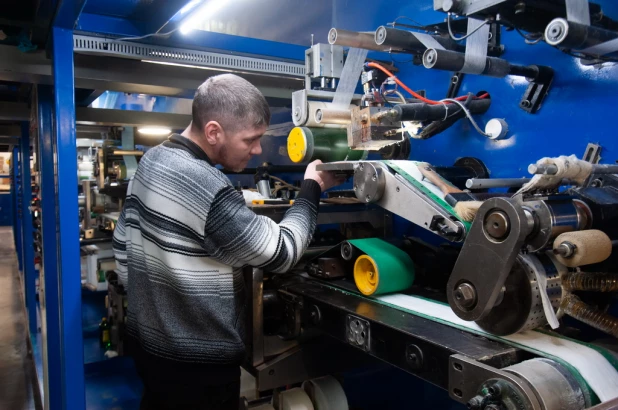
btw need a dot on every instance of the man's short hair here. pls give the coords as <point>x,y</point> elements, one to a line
<point>230,100</point>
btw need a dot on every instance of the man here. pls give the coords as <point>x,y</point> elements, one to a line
<point>182,239</point>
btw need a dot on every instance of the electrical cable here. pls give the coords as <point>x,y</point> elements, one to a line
<point>406,18</point>
<point>415,94</point>
<point>450,31</point>
<point>157,34</point>
<point>469,115</point>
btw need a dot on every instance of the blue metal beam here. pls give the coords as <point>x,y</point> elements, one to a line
<point>49,264</point>
<point>67,13</point>
<point>17,205</point>
<point>196,39</point>
<point>72,356</point>
<point>95,23</point>
<point>27,229</point>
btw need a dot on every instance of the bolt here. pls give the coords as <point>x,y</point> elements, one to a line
<point>475,403</point>
<point>525,104</point>
<point>494,390</point>
<point>465,296</point>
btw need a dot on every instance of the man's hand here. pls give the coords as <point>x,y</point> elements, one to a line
<point>325,179</point>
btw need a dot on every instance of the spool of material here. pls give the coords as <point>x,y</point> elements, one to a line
<point>293,399</point>
<point>383,269</point>
<point>590,246</point>
<point>326,393</point>
<point>326,144</point>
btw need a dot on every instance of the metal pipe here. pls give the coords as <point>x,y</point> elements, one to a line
<point>482,183</point>
<point>354,39</point>
<point>404,40</point>
<point>128,152</point>
<point>550,169</point>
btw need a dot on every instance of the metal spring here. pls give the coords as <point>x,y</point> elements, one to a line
<point>573,306</point>
<point>589,281</point>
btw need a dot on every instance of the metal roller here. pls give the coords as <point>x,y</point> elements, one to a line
<point>553,385</point>
<point>354,39</point>
<point>494,67</point>
<point>332,116</point>
<point>404,40</point>
<point>587,39</point>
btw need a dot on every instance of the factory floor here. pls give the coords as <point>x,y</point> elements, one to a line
<point>16,378</point>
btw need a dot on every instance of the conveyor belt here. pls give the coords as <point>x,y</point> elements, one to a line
<point>592,365</point>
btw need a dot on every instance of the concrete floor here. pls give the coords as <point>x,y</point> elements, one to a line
<point>15,365</point>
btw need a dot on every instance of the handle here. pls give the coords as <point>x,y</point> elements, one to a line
<point>433,177</point>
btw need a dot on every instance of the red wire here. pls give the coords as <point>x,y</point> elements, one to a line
<point>417,95</point>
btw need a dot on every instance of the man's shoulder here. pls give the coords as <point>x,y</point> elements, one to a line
<point>184,165</point>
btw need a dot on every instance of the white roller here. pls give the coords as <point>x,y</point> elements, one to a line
<point>600,375</point>
<point>326,393</point>
<point>293,399</point>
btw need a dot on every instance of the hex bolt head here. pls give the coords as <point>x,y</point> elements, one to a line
<point>465,296</point>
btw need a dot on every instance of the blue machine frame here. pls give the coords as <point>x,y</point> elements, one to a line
<point>575,85</point>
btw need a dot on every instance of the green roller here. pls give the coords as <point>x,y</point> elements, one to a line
<point>384,268</point>
<point>326,144</point>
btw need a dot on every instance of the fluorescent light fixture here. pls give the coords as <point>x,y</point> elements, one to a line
<point>156,131</point>
<point>201,67</point>
<point>206,10</point>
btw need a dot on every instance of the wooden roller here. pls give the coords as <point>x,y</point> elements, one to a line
<point>582,247</point>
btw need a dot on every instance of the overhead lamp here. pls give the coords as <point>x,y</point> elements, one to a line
<point>207,10</point>
<point>155,131</point>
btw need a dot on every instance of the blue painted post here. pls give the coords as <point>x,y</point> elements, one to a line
<point>27,229</point>
<point>16,204</point>
<point>49,263</point>
<point>72,349</point>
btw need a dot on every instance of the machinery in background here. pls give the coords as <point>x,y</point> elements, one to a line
<point>579,28</point>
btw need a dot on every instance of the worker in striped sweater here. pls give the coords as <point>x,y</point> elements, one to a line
<point>181,242</point>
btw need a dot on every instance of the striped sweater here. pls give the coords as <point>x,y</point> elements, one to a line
<point>181,242</point>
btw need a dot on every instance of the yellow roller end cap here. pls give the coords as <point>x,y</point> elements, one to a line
<point>297,145</point>
<point>366,275</point>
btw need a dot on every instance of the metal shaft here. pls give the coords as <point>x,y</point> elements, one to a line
<point>482,183</point>
<point>553,170</point>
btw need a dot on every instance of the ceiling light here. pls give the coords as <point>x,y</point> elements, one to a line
<point>206,11</point>
<point>158,131</point>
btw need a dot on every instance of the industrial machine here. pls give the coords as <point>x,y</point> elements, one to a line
<point>498,290</point>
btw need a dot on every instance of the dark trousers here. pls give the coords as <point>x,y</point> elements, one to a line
<point>188,395</point>
<point>181,386</point>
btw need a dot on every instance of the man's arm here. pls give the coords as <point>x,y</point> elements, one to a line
<point>119,243</point>
<point>236,236</point>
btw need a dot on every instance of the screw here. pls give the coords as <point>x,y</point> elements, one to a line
<point>525,104</point>
<point>465,296</point>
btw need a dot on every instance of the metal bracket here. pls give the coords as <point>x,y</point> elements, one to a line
<point>537,90</point>
<point>358,332</point>
<point>401,198</point>
<point>467,377</point>
<point>487,256</point>
<point>592,153</point>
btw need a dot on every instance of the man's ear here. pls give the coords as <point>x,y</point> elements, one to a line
<point>213,132</point>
